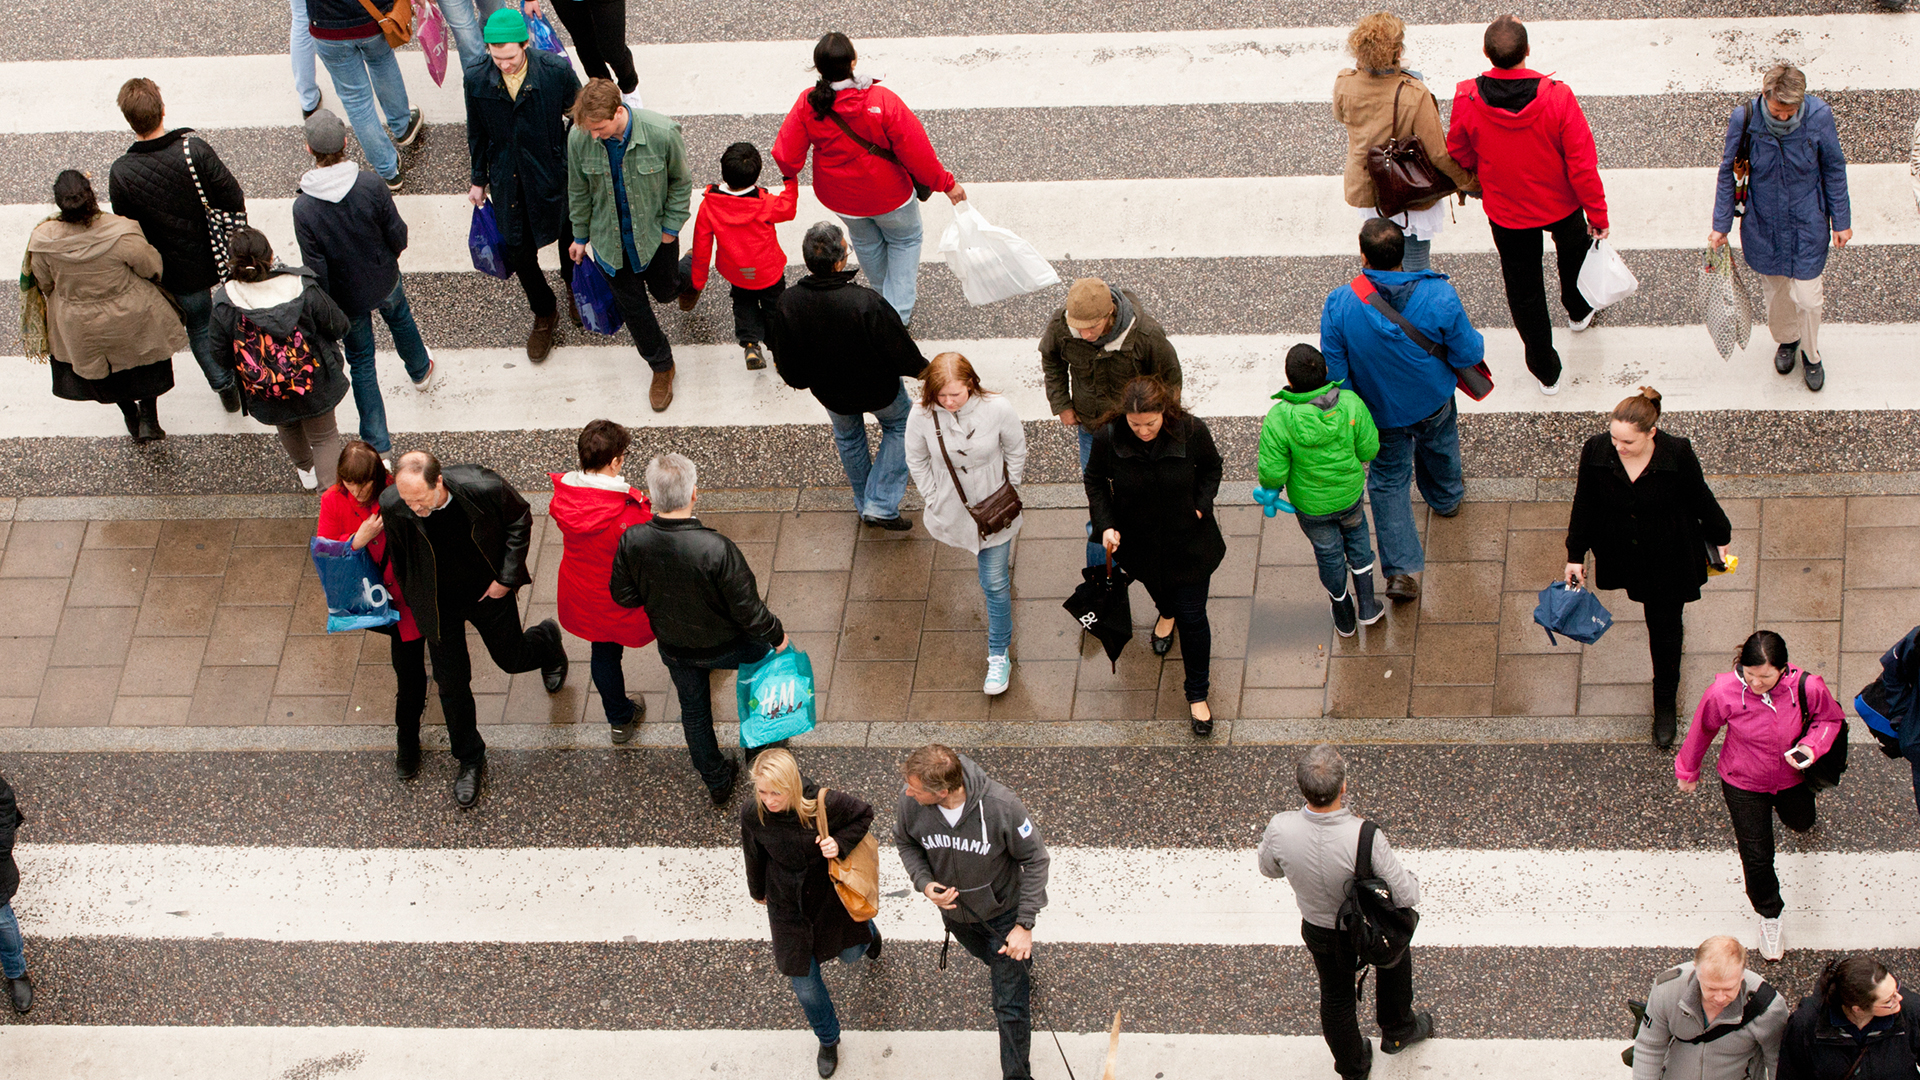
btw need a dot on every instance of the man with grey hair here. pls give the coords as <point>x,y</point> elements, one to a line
<point>1783,174</point>
<point>1710,1018</point>
<point>704,605</point>
<point>1316,849</point>
<point>845,343</point>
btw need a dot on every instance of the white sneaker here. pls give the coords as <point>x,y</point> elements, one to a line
<point>1576,327</point>
<point>387,465</point>
<point>999,673</point>
<point>1770,946</point>
<point>426,380</point>
<point>309,478</point>
<point>1555,388</point>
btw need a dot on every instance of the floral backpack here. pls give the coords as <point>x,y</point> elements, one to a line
<point>271,369</point>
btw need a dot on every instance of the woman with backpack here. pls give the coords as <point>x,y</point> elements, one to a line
<point>1779,719</point>
<point>1856,1025</point>
<point>1641,504</point>
<point>787,871</point>
<point>280,333</point>
<point>871,161</point>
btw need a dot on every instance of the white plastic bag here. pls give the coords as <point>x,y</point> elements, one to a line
<point>1604,277</point>
<point>991,262</point>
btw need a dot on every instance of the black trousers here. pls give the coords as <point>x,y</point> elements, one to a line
<point>599,32</point>
<point>1339,1001</point>
<point>513,649</point>
<point>409,660</point>
<point>660,278</point>
<point>751,310</point>
<point>1520,251</point>
<point>524,260</point>
<point>1666,634</point>
<point>1012,989</point>
<point>1752,813</point>
<point>1186,605</point>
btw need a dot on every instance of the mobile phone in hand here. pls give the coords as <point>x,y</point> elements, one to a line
<point>1799,757</point>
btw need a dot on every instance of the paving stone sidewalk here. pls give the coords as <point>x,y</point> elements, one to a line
<point>221,623</point>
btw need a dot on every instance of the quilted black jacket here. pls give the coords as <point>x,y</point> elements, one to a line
<point>150,184</point>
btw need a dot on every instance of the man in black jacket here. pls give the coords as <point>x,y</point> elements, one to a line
<point>153,183</point>
<point>703,603</point>
<point>13,959</point>
<point>458,540</point>
<point>847,344</point>
<point>518,143</point>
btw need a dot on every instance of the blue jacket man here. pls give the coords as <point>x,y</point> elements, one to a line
<point>1408,391</point>
<point>1798,177</point>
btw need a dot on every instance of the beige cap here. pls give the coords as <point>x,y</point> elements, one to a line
<point>1088,302</point>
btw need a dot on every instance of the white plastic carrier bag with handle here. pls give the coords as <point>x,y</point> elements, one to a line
<point>1604,277</point>
<point>991,262</point>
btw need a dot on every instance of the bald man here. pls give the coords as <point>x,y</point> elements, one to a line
<point>1710,1018</point>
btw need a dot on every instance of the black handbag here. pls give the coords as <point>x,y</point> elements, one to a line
<point>1743,162</point>
<point>1401,172</point>
<point>1476,382</point>
<point>920,190</point>
<point>1825,771</point>
<point>993,513</point>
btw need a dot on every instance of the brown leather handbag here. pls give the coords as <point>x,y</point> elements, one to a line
<point>996,511</point>
<point>856,873</point>
<point>396,25</point>
<point>1401,172</point>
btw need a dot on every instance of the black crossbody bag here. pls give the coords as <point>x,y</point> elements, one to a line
<point>920,190</point>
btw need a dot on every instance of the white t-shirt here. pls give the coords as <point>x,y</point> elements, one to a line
<point>953,816</point>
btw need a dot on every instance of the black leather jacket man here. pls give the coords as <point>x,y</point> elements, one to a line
<point>502,529</point>
<point>699,593</point>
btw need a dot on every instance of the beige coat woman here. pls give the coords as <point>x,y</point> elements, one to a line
<point>1364,103</point>
<point>105,310</point>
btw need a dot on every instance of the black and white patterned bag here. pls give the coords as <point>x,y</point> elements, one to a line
<point>1723,302</point>
<point>221,224</point>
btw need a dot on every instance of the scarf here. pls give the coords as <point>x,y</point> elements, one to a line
<point>1122,320</point>
<point>1782,128</point>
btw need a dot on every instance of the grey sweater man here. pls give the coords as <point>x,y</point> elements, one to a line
<point>1316,853</point>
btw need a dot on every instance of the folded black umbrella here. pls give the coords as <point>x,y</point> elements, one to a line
<point>1101,606</point>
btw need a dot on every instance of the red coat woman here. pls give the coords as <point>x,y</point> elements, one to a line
<point>594,507</point>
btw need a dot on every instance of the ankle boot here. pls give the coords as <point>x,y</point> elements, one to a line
<point>1666,723</point>
<point>149,426</point>
<point>131,414</point>
<point>1370,609</point>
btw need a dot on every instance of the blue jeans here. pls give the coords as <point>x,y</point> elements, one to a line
<point>1429,453</point>
<point>879,481</point>
<point>1418,255</point>
<point>1339,544</point>
<point>196,310</point>
<point>811,989</point>
<point>693,680</point>
<point>996,580</point>
<point>366,381</point>
<point>889,249</point>
<point>1096,551</point>
<point>13,950</point>
<point>364,69</point>
<point>464,21</point>
<point>300,49</point>
<point>611,680</point>
<point>1012,982</point>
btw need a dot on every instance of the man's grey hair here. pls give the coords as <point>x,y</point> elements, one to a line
<point>1785,85</point>
<point>1321,773</point>
<point>671,479</point>
<point>823,247</point>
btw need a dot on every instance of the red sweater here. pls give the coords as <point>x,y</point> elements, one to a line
<point>849,180</point>
<point>591,521</point>
<point>1536,166</point>
<point>340,517</point>
<point>750,254</point>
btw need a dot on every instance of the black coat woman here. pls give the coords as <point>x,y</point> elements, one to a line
<point>1641,505</point>
<point>787,871</point>
<point>1151,481</point>
<point>1855,1026</point>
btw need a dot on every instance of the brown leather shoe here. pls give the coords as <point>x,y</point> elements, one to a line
<point>661,394</point>
<point>573,307</point>
<point>540,341</point>
<point>1402,588</point>
<point>688,298</point>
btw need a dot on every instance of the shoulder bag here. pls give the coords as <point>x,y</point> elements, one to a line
<point>996,511</point>
<point>1401,172</point>
<point>396,25</point>
<point>1743,161</point>
<point>920,191</point>
<point>1476,382</point>
<point>1825,771</point>
<point>856,873</point>
<point>221,224</point>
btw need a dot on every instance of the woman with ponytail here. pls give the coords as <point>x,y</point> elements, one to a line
<point>1642,506</point>
<point>871,162</point>
<point>1856,1025</point>
<point>111,329</point>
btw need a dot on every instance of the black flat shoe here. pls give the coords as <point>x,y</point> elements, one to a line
<point>892,524</point>
<point>1202,728</point>
<point>1161,645</point>
<point>828,1060</point>
<point>405,765</point>
<point>723,796</point>
<point>1666,724</point>
<point>554,677</point>
<point>1785,357</point>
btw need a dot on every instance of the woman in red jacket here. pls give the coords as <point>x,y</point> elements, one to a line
<point>594,507</point>
<point>869,151</point>
<point>350,510</point>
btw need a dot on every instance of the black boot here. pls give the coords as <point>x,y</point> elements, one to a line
<point>1665,723</point>
<point>873,947</point>
<point>149,427</point>
<point>1369,608</point>
<point>21,991</point>
<point>1344,621</point>
<point>828,1060</point>
<point>131,414</point>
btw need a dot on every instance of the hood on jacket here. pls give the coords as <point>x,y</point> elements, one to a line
<point>66,240</point>
<point>1397,286</point>
<point>1312,421</point>
<point>587,502</point>
<point>729,208</point>
<point>1512,90</point>
<point>274,304</point>
<point>332,183</point>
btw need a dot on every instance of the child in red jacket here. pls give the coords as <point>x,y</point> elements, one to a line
<point>740,215</point>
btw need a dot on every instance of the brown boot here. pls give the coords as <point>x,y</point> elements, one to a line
<point>660,395</point>
<point>573,307</point>
<point>540,341</point>
<point>688,298</point>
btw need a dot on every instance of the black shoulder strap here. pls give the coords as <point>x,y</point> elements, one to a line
<point>1746,132</point>
<point>1363,858</point>
<point>1757,1003</point>
<point>1372,298</point>
<point>880,152</point>
<point>1806,715</point>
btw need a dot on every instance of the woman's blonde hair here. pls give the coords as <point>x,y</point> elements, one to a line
<point>1377,41</point>
<point>777,769</point>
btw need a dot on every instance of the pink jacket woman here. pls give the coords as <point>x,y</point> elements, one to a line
<point>1761,728</point>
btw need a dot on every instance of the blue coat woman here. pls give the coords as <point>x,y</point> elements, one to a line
<point>1799,190</point>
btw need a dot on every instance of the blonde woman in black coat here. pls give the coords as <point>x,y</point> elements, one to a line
<point>787,871</point>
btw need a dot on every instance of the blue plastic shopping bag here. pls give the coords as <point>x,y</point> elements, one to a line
<point>357,599</point>
<point>483,240</point>
<point>544,38</point>
<point>1572,613</point>
<point>775,696</point>
<point>593,295</point>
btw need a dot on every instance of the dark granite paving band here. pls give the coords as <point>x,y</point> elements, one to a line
<point>1594,796</point>
<point>1520,444</point>
<point>1289,139</point>
<point>262,29</point>
<point>1475,993</point>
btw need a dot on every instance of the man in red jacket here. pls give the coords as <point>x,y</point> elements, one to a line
<point>1525,137</point>
<point>739,215</point>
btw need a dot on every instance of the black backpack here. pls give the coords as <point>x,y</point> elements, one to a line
<point>1377,930</point>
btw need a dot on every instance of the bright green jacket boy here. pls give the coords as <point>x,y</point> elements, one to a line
<point>1316,445</point>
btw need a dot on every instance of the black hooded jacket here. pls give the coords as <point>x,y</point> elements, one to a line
<point>151,184</point>
<point>311,314</point>
<point>842,341</point>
